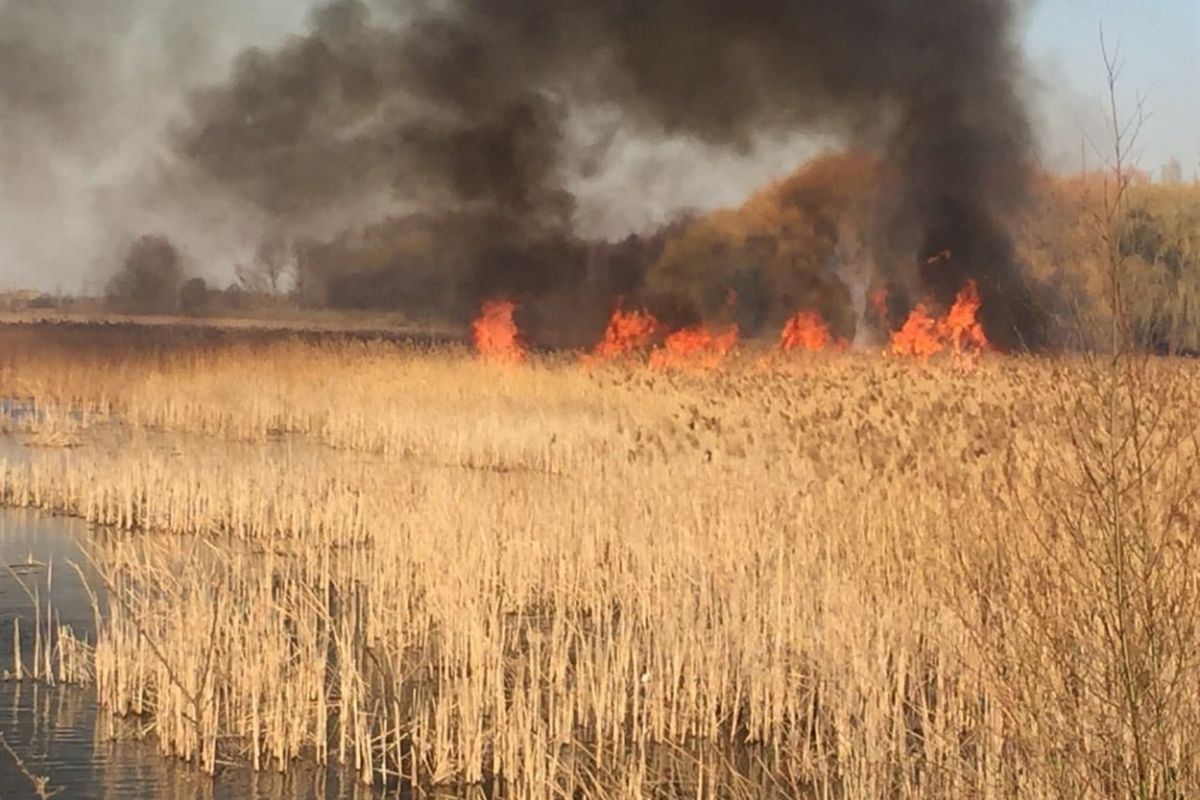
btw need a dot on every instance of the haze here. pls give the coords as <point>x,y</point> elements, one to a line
<point>80,178</point>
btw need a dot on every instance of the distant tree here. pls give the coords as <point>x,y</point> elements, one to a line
<point>193,297</point>
<point>44,301</point>
<point>310,274</point>
<point>263,274</point>
<point>1172,172</point>
<point>149,280</point>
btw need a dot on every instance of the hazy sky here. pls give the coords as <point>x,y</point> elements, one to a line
<point>1159,43</point>
<point>68,207</point>
<point>1160,47</point>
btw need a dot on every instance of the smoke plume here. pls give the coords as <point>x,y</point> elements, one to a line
<point>423,155</point>
<point>457,121</point>
<point>87,90</point>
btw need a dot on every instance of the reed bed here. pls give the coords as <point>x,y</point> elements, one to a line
<point>794,577</point>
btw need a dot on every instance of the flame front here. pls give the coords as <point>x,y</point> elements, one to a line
<point>695,347</point>
<point>496,335</point>
<point>959,327</point>
<point>923,335</point>
<point>627,332</point>
<point>805,331</point>
<point>918,336</point>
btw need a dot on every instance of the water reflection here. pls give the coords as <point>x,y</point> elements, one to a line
<point>36,557</point>
<point>17,409</point>
<point>59,732</point>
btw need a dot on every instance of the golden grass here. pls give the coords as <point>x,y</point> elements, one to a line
<point>802,577</point>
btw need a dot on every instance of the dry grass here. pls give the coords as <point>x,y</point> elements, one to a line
<point>285,318</point>
<point>809,577</point>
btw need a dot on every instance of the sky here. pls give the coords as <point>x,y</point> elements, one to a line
<point>1159,47</point>
<point>68,210</point>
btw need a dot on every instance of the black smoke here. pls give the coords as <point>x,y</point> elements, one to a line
<point>453,123</point>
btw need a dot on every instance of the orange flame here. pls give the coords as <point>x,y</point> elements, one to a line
<point>496,335</point>
<point>627,332</point>
<point>695,347</point>
<point>805,331</point>
<point>959,327</point>
<point>924,335</point>
<point>918,336</point>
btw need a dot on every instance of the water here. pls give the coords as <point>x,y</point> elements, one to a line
<point>16,410</point>
<point>59,732</point>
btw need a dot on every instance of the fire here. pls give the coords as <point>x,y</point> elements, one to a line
<point>695,347</point>
<point>805,331</point>
<point>627,331</point>
<point>496,335</point>
<point>924,335</point>
<point>918,336</point>
<point>959,326</point>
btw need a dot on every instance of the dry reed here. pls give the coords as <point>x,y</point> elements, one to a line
<point>567,580</point>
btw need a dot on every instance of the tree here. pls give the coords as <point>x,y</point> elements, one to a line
<point>1090,633</point>
<point>1172,172</point>
<point>193,296</point>
<point>263,274</point>
<point>149,280</point>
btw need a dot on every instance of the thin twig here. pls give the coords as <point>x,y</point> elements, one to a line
<point>41,784</point>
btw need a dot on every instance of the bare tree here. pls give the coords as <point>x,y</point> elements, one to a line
<point>1172,172</point>
<point>264,274</point>
<point>1122,535</point>
<point>1092,636</point>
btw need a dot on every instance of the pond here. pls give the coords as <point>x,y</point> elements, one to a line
<point>58,732</point>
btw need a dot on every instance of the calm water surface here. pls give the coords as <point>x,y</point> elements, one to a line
<point>58,731</point>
